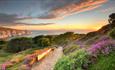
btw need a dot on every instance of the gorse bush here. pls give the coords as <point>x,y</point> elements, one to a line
<point>74,61</point>
<point>19,44</point>
<point>112,33</point>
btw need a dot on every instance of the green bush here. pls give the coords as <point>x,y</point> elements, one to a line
<point>64,39</point>
<point>35,39</point>
<point>112,33</point>
<point>2,44</point>
<point>19,44</point>
<point>43,42</point>
<point>74,61</point>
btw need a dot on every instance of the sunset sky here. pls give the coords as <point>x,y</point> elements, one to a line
<point>69,15</point>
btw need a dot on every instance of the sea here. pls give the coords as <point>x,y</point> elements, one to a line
<point>42,32</point>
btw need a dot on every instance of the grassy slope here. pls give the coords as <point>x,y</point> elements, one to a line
<point>5,56</point>
<point>104,62</point>
<point>70,49</point>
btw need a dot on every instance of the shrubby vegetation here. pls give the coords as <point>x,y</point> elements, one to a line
<point>74,61</point>
<point>64,39</point>
<point>43,42</point>
<point>104,62</point>
<point>2,44</point>
<point>23,43</point>
<point>112,33</point>
<point>70,49</point>
<point>19,44</point>
<point>85,59</point>
<point>104,47</point>
<point>16,58</point>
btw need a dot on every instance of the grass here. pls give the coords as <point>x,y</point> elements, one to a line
<point>15,67</point>
<point>104,63</point>
<point>5,56</point>
<point>70,49</point>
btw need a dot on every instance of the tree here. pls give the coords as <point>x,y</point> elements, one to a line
<point>111,18</point>
<point>19,44</point>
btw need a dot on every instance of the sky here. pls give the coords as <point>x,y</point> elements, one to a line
<point>81,16</point>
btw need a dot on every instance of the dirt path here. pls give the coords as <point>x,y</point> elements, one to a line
<point>49,61</point>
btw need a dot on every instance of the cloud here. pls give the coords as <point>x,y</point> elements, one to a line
<point>39,24</point>
<point>9,20</point>
<point>48,9</point>
<point>107,9</point>
<point>6,18</point>
<point>81,6</point>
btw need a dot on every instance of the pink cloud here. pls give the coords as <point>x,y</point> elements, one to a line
<point>83,5</point>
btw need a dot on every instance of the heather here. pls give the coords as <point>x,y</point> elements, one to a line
<point>89,57</point>
<point>104,47</point>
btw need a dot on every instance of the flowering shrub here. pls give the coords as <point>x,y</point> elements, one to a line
<point>103,38</point>
<point>105,47</point>
<point>75,61</point>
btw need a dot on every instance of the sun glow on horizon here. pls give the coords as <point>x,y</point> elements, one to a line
<point>67,27</point>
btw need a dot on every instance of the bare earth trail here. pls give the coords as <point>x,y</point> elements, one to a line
<point>49,61</point>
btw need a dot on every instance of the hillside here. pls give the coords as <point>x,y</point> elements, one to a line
<point>97,34</point>
<point>94,51</point>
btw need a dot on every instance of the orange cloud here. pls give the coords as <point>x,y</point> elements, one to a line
<point>84,5</point>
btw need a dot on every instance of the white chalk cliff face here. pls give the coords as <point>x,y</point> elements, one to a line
<point>7,32</point>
